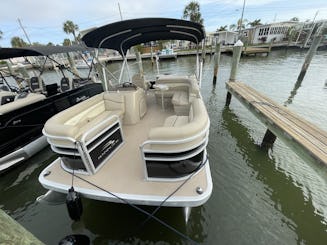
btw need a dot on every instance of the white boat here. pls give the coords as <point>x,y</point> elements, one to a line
<point>84,64</point>
<point>167,53</point>
<point>135,143</point>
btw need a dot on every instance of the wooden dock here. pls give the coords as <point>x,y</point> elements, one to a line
<point>250,51</point>
<point>281,120</point>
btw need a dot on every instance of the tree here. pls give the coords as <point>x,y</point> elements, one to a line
<point>256,22</point>
<point>66,42</point>
<point>192,12</point>
<point>239,25</point>
<point>70,28</point>
<point>17,42</point>
<point>295,19</point>
<point>232,27</point>
<point>222,28</point>
<point>1,33</point>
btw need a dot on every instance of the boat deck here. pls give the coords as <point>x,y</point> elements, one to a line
<point>124,173</point>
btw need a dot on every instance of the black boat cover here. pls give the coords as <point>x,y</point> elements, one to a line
<point>122,35</point>
<point>7,53</point>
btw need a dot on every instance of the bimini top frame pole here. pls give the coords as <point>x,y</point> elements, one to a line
<point>122,35</point>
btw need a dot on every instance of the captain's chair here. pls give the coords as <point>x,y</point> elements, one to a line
<point>36,84</point>
<point>65,84</point>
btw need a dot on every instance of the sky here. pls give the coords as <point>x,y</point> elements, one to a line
<point>43,20</point>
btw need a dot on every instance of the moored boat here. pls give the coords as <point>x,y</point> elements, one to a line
<point>24,110</point>
<point>137,142</point>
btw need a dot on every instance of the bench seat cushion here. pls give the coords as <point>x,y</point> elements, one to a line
<point>180,98</point>
<point>175,121</point>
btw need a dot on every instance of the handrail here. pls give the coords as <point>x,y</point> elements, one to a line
<point>58,137</point>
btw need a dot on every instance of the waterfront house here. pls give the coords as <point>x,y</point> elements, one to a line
<point>276,32</point>
<point>226,37</point>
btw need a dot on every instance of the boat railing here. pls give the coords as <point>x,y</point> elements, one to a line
<point>93,145</point>
<point>174,154</point>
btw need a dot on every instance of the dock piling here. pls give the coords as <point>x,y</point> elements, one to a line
<point>216,61</point>
<point>268,139</point>
<point>72,64</point>
<point>313,48</point>
<point>237,50</point>
<point>139,62</point>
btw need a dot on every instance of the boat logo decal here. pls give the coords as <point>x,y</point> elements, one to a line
<point>17,121</point>
<point>84,97</point>
<point>107,147</point>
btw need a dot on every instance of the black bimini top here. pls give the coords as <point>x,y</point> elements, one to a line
<point>7,53</point>
<point>122,35</point>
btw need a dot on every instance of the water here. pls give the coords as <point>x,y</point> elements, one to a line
<point>259,197</point>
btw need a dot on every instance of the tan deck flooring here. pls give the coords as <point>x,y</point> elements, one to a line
<point>125,171</point>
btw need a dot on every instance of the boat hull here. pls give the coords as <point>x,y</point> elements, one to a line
<point>105,194</point>
<point>21,129</point>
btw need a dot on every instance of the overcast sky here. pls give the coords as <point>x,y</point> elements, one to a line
<point>43,19</point>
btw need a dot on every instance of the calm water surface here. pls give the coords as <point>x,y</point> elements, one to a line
<point>259,197</point>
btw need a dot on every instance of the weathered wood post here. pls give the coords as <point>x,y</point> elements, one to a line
<point>72,65</point>
<point>152,61</point>
<point>237,51</point>
<point>13,233</point>
<point>139,62</point>
<point>10,69</point>
<point>309,56</point>
<point>216,61</point>
<point>268,140</point>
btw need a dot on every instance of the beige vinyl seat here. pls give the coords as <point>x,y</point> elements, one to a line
<point>75,121</point>
<point>182,127</point>
<point>182,90</point>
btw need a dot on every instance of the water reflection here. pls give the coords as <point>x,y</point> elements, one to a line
<point>122,223</point>
<point>20,186</point>
<point>286,195</point>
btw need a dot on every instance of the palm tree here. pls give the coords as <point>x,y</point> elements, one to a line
<point>256,22</point>
<point>192,12</point>
<point>70,27</point>
<point>17,42</point>
<point>239,25</point>
<point>232,27</point>
<point>222,28</point>
<point>66,42</point>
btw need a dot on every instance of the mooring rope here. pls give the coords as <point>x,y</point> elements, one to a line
<point>152,215</point>
<point>140,210</point>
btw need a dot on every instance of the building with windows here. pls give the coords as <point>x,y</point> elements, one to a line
<point>226,37</point>
<point>276,32</point>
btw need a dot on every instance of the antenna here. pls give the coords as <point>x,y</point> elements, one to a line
<point>21,26</point>
<point>239,31</point>
<point>121,17</point>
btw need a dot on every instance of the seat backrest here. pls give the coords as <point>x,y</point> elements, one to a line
<point>36,84</point>
<point>65,84</point>
<point>114,101</point>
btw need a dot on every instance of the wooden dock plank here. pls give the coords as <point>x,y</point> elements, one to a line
<point>309,136</point>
